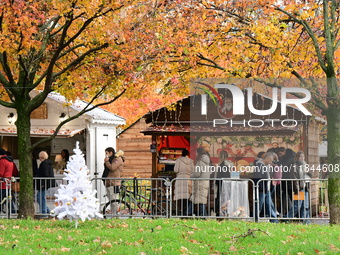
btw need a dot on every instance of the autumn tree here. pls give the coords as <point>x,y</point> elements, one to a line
<point>81,49</point>
<point>262,39</point>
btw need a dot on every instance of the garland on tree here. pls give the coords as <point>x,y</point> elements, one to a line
<point>76,200</point>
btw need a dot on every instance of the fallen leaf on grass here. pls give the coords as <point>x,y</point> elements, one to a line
<point>159,227</point>
<point>141,230</point>
<point>333,247</point>
<point>110,226</point>
<point>319,252</point>
<point>232,248</point>
<point>292,236</point>
<point>70,238</point>
<point>63,249</point>
<point>16,227</point>
<point>123,225</point>
<point>183,249</point>
<point>193,241</point>
<point>190,232</point>
<point>97,240</point>
<point>106,244</point>
<point>82,242</point>
<point>141,240</point>
<point>158,250</point>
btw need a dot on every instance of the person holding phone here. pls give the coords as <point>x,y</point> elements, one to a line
<point>113,167</point>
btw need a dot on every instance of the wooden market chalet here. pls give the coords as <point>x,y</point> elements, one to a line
<point>167,132</point>
<point>185,127</point>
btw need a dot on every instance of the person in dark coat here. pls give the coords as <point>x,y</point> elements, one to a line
<point>65,154</point>
<point>264,196</point>
<point>301,188</point>
<point>223,172</point>
<point>45,170</point>
<point>15,173</point>
<point>287,163</point>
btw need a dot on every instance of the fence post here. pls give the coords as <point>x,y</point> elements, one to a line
<point>167,184</point>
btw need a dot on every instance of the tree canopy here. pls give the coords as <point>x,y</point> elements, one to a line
<point>81,49</point>
<point>105,50</point>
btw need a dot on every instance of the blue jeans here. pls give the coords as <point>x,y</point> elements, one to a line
<point>201,209</point>
<point>41,199</point>
<point>300,208</point>
<point>266,200</point>
<point>183,207</point>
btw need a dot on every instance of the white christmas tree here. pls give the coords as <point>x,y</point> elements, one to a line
<point>76,200</point>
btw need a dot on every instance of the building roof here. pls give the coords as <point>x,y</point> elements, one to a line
<point>43,132</point>
<point>186,119</point>
<point>46,128</point>
<point>97,115</point>
<point>236,130</point>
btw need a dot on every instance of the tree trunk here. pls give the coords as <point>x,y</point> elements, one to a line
<point>333,138</point>
<point>23,124</point>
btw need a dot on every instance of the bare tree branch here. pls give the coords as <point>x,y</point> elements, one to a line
<point>310,33</point>
<point>75,62</point>
<point>6,68</point>
<point>213,63</point>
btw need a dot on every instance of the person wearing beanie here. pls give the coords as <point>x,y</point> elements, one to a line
<point>6,168</point>
<point>2,152</point>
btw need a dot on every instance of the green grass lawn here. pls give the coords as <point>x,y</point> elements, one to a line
<point>165,236</point>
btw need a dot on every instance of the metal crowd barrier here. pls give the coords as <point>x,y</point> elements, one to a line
<point>192,198</point>
<point>135,197</point>
<point>292,200</point>
<point>7,206</point>
<point>10,196</point>
<point>213,198</point>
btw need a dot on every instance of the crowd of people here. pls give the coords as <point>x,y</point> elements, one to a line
<point>287,191</point>
<point>197,190</point>
<point>292,192</point>
<point>42,172</point>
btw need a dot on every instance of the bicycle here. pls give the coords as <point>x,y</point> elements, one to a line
<point>131,203</point>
